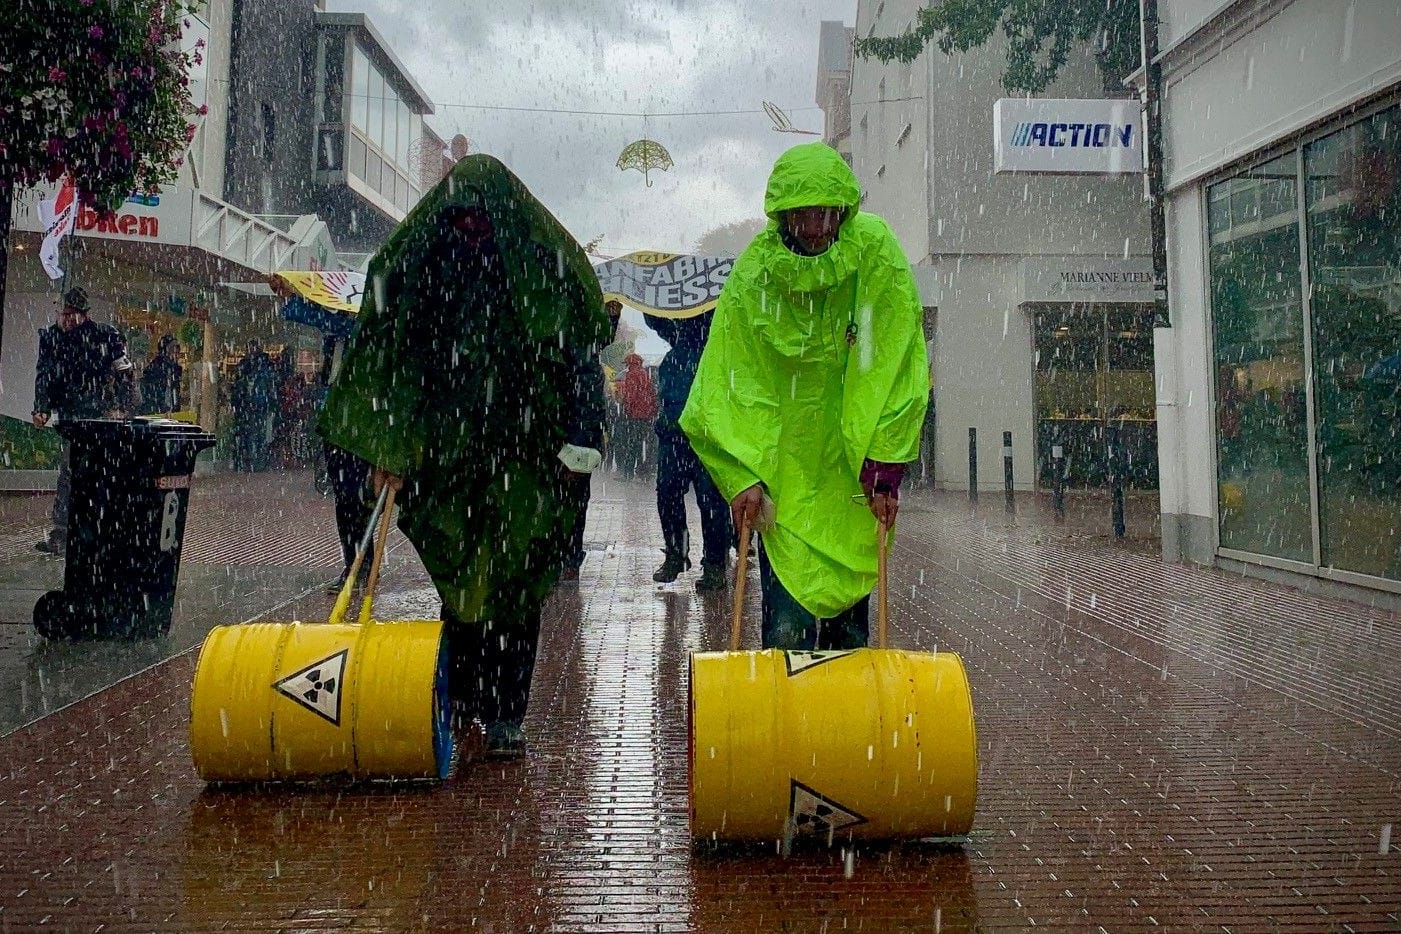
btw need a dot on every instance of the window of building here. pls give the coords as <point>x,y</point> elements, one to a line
<point>333,93</point>
<point>1262,434</point>
<point>1094,389</point>
<point>1353,212</point>
<point>360,89</point>
<point>1345,319</point>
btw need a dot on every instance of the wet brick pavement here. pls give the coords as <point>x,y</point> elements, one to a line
<point>1160,746</point>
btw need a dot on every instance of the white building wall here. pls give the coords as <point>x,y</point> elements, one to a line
<point>1269,69</point>
<point>983,372</point>
<point>892,172</point>
<point>926,165</point>
<point>1186,420</point>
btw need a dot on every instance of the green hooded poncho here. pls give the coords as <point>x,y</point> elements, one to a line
<point>470,369</point>
<point>784,398</point>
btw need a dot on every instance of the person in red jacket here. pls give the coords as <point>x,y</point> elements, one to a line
<point>638,398</point>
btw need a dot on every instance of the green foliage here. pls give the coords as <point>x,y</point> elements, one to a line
<point>1040,36</point>
<point>97,89</point>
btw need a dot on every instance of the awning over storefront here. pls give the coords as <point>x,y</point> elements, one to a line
<point>196,230</point>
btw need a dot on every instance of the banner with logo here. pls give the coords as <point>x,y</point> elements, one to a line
<point>1101,137</point>
<point>668,285</point>
<point>57,215</point>
<point>336,290</point>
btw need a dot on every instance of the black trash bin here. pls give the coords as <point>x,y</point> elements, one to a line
<point>126,523</point>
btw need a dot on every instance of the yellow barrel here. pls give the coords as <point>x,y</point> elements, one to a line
<point>302,701</point>
<point>868,743</point>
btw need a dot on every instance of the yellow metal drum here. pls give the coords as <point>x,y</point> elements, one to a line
<point>869,743</point>
<point>301,701</point>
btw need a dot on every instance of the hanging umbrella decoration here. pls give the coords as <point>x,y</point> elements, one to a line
<point>644,155</point>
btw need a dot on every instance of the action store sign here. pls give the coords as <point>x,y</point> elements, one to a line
<point>1098,137</point>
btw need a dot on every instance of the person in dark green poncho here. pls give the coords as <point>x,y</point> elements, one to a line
<point>473,382</point>
<point>811,394</point>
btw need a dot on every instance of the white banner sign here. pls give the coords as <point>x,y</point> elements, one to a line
<point>1101,137</point>
<point>665,284</point>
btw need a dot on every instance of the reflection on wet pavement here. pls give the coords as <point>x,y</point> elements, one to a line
<point>1159,746</point>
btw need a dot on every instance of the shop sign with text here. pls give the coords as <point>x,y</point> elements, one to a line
<point>1098,137</point>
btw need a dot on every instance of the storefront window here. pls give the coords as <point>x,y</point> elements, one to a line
<point>1354,224</point>
<point>1094,385</point>
<point>1262,433</point>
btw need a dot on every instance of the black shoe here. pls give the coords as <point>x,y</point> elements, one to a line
<point>712,579</point>
<point>671,569</point>
<point>51,546</point>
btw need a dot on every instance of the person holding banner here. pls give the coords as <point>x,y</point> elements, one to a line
<point>472,383</point>
<point>678,469</point>
<point>810,397</point>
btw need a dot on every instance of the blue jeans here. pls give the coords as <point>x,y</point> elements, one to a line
<point>787,625</point>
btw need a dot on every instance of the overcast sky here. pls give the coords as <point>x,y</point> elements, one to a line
<point>619,55</point>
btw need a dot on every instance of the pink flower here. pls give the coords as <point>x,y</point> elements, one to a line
<point>95,31</point>
<point>203,109</point>
<point>87,2</point>
<point>199,43</point>
<point>57,74</point>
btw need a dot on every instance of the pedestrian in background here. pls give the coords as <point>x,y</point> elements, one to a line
<point>83,372</point>
<point>678,468</point>
<point>163,380</point>
<point>637,398</point>
<point>583,484</point>
<point>254,400</point>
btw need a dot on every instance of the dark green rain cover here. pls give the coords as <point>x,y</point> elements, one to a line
<point>814,364</point>
<point>468,372</point>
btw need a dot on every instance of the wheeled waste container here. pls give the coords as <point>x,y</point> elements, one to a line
<point>126,525</point>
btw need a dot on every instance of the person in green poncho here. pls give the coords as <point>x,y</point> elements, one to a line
<point>473,384</point>
<point>810,397</point>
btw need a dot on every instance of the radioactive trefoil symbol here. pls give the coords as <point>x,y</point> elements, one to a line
<point>814,814</point>
<point>796,662</point>
<point>318,686</point>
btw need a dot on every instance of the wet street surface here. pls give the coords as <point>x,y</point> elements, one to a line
<point>1160,746</point>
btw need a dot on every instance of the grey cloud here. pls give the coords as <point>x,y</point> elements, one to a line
<point>635,55</point>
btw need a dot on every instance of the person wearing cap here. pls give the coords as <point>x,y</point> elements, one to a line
<point>83,372</point>
<point>810,397</point>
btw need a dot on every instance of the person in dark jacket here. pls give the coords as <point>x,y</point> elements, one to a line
<point>83,372</point>
<point>254,403</point>
<point>162,382</point>
<point>583,484</point>
<point>678,468</point>
<point>473,383</point>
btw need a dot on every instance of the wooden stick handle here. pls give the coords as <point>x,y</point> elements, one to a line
<point>343,598</point>
<point>741,577</point>
<point>882,601</point>
<point>385,522</point>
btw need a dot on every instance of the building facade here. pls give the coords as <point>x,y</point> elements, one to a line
<point>1280,380</point>
<point>1040,324</point>
<point>834,84</point>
